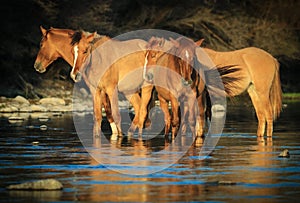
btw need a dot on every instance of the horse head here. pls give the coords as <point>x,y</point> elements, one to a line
<point>82,50</point>
<point>47,53</point>
<point>154,50</point>
<point>185,57</point>
<point>55,43</point>
<point>58,43</point>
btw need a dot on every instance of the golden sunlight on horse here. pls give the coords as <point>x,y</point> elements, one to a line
<point>259,73</point>
<point>63,43</point>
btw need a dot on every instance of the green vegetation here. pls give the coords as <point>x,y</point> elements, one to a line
<point>291,96</point>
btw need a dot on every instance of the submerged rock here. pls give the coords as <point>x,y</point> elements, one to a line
<point>43,118</point>
<point>47,184</point>
<point>226,182</point>
<point>15,119</point>
<point>43,127</point>
<point>284,154</point>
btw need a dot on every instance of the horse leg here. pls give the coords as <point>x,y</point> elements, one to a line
<point>165,109</point>
<point>183,115</point>
<point>175,116</point>
<point>109,117</point>
<point>192,116</point>
<point>266,103</point>
<point>200,118</point>
<point>146,96</point>
<point>113,97</point>
<point>135,100</point>
<point>259,109</point>
<point>97,104</point>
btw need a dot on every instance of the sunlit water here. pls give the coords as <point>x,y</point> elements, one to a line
<point>242,168</point>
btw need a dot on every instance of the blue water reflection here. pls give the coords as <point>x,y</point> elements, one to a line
<point>241,168</point>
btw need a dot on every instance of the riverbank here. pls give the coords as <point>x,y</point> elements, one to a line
<point>82,103</point>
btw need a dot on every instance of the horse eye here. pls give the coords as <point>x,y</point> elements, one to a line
<point>153,55</point>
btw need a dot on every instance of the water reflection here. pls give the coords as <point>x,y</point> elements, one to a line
<point>242,167</point>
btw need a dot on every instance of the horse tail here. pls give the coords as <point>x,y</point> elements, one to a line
<point>229,79</point>
<point>276,93</point>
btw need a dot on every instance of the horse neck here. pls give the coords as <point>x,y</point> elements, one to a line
<point>176,65</point>
<point>66,54</point>
<point>211,53</point>
<point>99,41</point>
<point>64,47</point>
<point>173,60</point>
<point>89,71</point>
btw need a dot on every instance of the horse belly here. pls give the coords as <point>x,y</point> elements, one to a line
<point>131,81</point>
<point>240,86</point>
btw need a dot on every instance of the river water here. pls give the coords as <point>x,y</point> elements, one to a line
<point>241,168</point>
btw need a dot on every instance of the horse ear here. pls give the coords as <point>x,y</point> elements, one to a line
<point>161,42</point>
<point>43,30</point>
<point>91,37</point>
<point>175,42</point>
<point>151,39</point>
<point>199,42</point>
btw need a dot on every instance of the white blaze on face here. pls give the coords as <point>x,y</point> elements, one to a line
<point>187,54</point>
<point>74,62</point>
<point>145,66</point>
<point>75,55</point>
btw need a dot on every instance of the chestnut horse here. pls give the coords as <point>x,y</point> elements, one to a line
<point>259,73</point>
<point>182,59</point>
<point>62,43</point>
<point>172,70</point>
<point>109,75</point>
<point>112,67</point>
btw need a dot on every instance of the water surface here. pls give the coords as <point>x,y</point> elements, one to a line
<point>242,168</point>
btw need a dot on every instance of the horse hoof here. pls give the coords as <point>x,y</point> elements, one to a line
<point>96,135</point>
<point>114,137</point>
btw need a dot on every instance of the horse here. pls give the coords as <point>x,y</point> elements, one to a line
<point>183,60</point>
<point>62,43</point>
<point>107,76</point>
<point>114,66</point>
<point>259,76</point>
<point>172,78</point>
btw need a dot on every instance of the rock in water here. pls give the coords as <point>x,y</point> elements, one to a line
<point>226,182</point>
<point>47,184</point>
<point>284,153</point>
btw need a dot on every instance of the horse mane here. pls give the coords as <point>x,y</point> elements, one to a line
<point>155,43</point>
<point>76,37</point>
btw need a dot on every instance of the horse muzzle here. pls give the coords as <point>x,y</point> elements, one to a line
<point>39,67</point>
<point>186,83</point>
<point>76,77</point>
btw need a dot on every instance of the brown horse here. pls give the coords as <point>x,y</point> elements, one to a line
<point>114,66</point>
<point>259,75</point>
<point>183,59</point>
<point>108,76</point>
<point>174,79</point>
<point>62,43</point>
